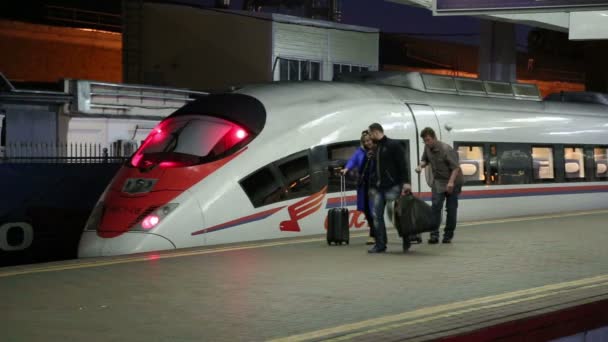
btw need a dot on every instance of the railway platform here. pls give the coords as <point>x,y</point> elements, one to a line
<point>528,278</point>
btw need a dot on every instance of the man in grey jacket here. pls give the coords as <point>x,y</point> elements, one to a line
<point>447,182</point>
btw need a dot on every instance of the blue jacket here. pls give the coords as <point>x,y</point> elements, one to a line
<point>357,162</point>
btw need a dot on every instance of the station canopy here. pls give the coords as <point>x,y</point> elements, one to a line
<point>582,19</point>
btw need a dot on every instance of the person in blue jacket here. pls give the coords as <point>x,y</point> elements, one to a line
<point>362,162</point>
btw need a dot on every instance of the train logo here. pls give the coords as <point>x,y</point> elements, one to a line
<point>302,209</point>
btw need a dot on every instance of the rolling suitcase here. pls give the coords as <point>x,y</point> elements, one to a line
<point>337,227</point>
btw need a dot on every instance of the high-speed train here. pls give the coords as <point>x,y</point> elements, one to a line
<point>263,162</point>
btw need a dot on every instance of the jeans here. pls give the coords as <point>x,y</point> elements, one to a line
<point>367,211</point>
<point>380,197</point>
<point>451,208</point>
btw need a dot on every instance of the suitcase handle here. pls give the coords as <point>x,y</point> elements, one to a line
<point>342,190</point>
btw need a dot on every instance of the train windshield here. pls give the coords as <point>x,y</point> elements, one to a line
<point>189,140</point>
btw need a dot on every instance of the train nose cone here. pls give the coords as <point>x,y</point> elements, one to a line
<point>92,245</point>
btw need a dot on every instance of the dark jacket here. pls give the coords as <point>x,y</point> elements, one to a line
<point>390,165</point>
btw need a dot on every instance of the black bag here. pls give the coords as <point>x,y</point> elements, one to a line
<point>412,215</point>
<point>337,227</point>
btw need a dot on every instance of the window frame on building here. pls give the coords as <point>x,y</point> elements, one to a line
<point>285,69</point>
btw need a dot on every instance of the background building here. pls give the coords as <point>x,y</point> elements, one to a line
<point>204,48</point>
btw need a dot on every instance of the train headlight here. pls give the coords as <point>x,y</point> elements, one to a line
<point>150,221</point>
<point>153,218</point>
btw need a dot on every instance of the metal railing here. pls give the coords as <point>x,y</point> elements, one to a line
<point>102,98</point>
<point>81,153</point>
<point>84,18</point>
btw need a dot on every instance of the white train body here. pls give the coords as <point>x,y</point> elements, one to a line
<point>227,200</point>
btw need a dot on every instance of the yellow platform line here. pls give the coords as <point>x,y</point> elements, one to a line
<point>83,263</point>
<point>158,255</point>
<point>460,312</point>
<point>446,310</point>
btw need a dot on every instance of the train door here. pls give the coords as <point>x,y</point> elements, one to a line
<point>422,116</point>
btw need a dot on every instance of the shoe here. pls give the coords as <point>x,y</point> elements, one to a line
<point>433,240</point>
<point>376,250</point>
<point>406,245</point>
<point>446,240</point>
<point>371,241</point>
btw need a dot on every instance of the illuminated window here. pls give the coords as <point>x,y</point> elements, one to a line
<point>574,162</point>
<point>542,162</point>
<point>472,163</point>
<point>600,156</point>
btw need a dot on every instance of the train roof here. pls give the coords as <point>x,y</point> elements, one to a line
<point>443,84</point>
<point>411,87</point>
<point>238,108</point>
<point>579,97</point>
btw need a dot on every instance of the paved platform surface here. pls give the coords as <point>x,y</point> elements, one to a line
<point>302,289</point>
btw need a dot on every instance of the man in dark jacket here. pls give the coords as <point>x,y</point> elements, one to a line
<point>387,182</point>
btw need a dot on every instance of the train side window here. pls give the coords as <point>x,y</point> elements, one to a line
<point>574,163</point>
<point>493,165</point>
<point>472,163</point>
<point>514,164</point>
<point>543,164</point>
<point>263,187</point>
<point>296,173</point>
<point>600,157</point>
<point>337,156</point>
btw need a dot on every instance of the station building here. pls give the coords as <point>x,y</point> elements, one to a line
<point>219,49</point>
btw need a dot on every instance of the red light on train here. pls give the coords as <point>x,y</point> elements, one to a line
<point>167,164</point>
<point>241,134</point>
<point>156,134</point>
<point>150,221</point>
<point>136,159</point>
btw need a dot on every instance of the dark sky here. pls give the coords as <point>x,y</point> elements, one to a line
<point>397,18</point>
<point>387,16</point>
<point>392,17</point>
